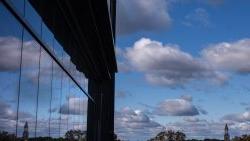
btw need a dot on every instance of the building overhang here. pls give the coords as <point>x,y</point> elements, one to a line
<point>84,30</point>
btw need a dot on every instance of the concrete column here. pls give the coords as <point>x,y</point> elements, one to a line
<point>100,124</point>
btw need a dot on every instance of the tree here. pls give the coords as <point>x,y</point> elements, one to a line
<point>242,138</point>
<point>5,136</point>
<point>75,135</point>
<point>180,136</point>
<point>169,135</point>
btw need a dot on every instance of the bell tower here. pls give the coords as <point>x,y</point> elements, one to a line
<point>26,132</point>
<point>226,135</point>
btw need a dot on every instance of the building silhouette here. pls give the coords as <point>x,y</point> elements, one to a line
<point>226,135</point>
<point>26,132</point>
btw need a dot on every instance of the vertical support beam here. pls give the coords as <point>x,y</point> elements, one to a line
<point>100,124</point>
<point>93,117</point>
<point>107,117</point>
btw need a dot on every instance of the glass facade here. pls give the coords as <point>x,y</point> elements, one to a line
<point>38,100</point>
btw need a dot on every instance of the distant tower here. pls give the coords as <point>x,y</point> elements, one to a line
<point>226,136</point>
<point>26,132</point>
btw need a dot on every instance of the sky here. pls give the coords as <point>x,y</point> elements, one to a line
<point>183,65</point>
<point>46,98</point>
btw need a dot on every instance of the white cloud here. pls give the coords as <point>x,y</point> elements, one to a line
<point>10,52</point>
<point>167,64</point>
<point>10,56</point>
<point>192,119</point>
<point>176,107</point>
<point>229,56</point>
<point>142,15</point>
<point>8,117</point>
<point>198,17</point>
<point>238,117</point>
<point>199,129</point>
<point>74,106</point>
<point>133,123</point>
<point>6,112</point>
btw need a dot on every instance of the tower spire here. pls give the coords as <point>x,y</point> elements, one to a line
<point>26,132</point>
<point>226,135</point>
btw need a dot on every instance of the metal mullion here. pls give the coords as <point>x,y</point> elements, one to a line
<point>26,25</point>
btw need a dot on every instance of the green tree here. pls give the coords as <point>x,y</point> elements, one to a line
<point>75,135</point>
<point>242,138</point>
<point>169,135</point>
<point>179,136</point>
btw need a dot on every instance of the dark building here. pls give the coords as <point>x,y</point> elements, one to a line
<point>26,132</point>
<point>57,67</point>
<point>226,135</point>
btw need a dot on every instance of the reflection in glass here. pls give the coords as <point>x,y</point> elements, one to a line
<point>37,98</point>
<point>10,56</point>
<point>32,17</point>
<point>44,96</point>
<point>29,85</point>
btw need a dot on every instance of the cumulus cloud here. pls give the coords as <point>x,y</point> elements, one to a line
<point>176,107</point>
<point>10,52</point>
<point>6,112</point>
<point>229,56</point>
<point>74,106</point>
<point>129,123</point>
<point>198,17</point>
<point>199,129</point>
<point>167,64</point>
<point>142,15</point>
<point>10,56</point>
<point>237,117</point>
<point>8,117</point>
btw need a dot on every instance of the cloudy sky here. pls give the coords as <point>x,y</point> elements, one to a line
<point>48,100</point>
<point>183,65</point>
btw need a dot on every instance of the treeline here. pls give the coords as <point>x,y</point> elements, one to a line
<point>171,135</point>
<point>78,135</point>
<point>71,135</point>
<point>241,138</point>
<point>205,140</point>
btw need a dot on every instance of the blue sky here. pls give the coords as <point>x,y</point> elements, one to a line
<point>68,105</point>
<point>184,65</point>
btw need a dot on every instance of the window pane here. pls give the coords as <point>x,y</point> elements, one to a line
<point>29,85</point>
<point>33,18</point>
<point>19,5</point>
<point>10,56</point>
<point>55,104</point>
<point>44,96</point>
<point>45,102</point>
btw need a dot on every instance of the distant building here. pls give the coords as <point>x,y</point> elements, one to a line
<point>226,135</point>
<point>26,132</point>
